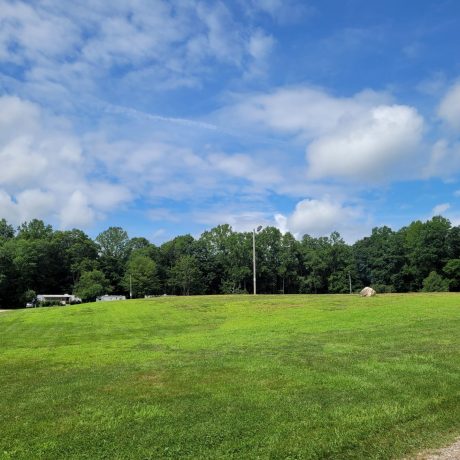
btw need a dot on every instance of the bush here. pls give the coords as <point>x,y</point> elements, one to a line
<point>230,287</point>
<point>50,303</point>
<point>29,298</point>
<point>91,285</point>
<point>434,282</point>
<point>452,270</point>
<point>383,288</point>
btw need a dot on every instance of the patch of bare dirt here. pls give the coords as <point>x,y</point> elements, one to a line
<point>446,453</point>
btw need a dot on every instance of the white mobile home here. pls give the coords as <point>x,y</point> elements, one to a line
<point>63,299</point>
<point>110,298</point>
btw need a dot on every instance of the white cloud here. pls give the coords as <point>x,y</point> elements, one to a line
<point>221,37</point>
<point>302,111</point>
<point>105,196</point>
<point>260,46</point>
<point>154,169</point>
<point>44,170</point>
<point>165,170</point>
<point>432,85</point>
<point>241,221</point>
<point>440,209</point>
<point>370,147</point>
<point>244,166</point>
<point>449,108</point>
<point>320,217</point>
<point>158,236</point>
<point>29,33</point>
<point>363,136</point>
<point>26,205</point>
<point>76,211</point>
<point>163,214</point>
<point>8,209</point>
<point>444,160</point>
<point>35,203</point>
<point>282,11</point>
<point>70,48</point>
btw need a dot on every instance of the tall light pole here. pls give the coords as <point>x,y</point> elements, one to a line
<point>259,228</point>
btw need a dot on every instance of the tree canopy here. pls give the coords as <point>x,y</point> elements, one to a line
<point>36,258</point>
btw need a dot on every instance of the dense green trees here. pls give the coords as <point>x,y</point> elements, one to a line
<point>37,258</point>
<point>434,282</point>
<point>379,260</point>
<point>185,275</point>
<point>91,285</point>
<point>141,275</point>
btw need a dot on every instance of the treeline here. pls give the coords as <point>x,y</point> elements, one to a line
<point>36,259</point>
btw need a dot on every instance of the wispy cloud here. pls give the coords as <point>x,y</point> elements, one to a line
<point>45,172</point>
<point>221,111</point>
<point>121,110</point>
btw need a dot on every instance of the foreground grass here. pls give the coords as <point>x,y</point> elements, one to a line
<point>335,377</point>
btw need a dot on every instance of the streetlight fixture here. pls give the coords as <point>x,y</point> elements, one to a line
<point>259,228</point>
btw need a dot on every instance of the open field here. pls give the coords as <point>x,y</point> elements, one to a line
<point>337,377</point>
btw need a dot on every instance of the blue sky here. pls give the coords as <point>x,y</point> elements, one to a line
<point>173,117</point>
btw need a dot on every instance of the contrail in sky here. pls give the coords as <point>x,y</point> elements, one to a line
<point>118,109</point>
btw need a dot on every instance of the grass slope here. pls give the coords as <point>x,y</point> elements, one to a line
<point>231,377</point>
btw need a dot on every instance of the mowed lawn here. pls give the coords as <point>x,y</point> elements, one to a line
<point>337,377</point>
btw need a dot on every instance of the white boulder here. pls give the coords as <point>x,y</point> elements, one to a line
<point>367,292</point>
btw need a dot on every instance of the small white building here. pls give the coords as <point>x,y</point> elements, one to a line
<point>110,298</point>
<point>63,299</point>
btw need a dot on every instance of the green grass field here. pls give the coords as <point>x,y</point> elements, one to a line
<point>336,377</point>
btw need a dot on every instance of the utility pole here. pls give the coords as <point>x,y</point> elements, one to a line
<point>254,259</point>
<point>259,228</point>
<point>130,287</point>
<point>349,279</point>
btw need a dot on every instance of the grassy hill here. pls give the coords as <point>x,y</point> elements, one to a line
<point>231,377</point>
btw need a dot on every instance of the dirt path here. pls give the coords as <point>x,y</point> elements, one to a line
<point>446,453</point>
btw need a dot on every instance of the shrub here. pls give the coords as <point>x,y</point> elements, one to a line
<point>383,288</point>
<point>50,303</point>
<point>434,282</point>
<point>230,287</point>
<point>29,297</point>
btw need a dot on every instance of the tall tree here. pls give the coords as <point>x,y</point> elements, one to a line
<point>185,274</point>
<point>113,255</point>
<point>76,252</point>
<point>268,252</point>
<point>91,285</point>
<point>314,264</point>
<point>452,270</point>
<point>6,231</point>
<point>168,255</point>
<point>426,249</point>
<point>214,255</point>
<point>35,230</point>
<point>380,259</point>
<point>141,275</point>
<point>8,277</point>
<point>289,264</point>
